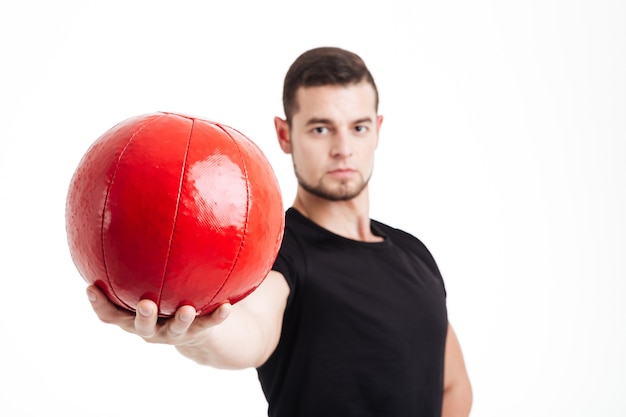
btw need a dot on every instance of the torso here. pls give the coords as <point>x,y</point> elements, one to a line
<point>364,330</point>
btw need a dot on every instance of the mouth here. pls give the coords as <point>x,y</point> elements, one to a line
<point>341,172</point>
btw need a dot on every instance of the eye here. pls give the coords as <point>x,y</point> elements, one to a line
<point>320,130</point>
<point>361,129</point>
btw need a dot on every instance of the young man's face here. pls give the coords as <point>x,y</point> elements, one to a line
<point>332,139</point>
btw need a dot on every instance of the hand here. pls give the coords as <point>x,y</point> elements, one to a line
<point>184,328</point>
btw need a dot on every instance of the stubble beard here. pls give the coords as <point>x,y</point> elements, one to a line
<point>343,192</point>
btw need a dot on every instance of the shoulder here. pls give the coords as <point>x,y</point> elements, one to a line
<point>291,260</point>
<point>406,241</point>
<point>398,236</point>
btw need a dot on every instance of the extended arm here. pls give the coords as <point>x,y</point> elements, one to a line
<point>233,336</point>
<point>457,394</point>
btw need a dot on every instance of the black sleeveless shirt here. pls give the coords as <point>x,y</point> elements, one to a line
<point>365,326</point>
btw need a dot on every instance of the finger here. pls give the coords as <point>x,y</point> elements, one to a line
<point>182,320</point>
<point>215,318</point>
<point>108,312</point>
<point>222,312</point>
<point>146,318</point>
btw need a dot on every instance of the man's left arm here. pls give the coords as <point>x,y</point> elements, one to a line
<point>457,389</point>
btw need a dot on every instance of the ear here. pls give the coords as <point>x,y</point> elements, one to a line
<point>379,122</point>
<point>282,133</point>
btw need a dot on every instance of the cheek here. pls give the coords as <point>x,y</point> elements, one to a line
<point>306,156</point>
<point>301,160</point>
<point>367,154</point>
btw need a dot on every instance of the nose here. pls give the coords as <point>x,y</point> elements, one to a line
<point>341,145</point>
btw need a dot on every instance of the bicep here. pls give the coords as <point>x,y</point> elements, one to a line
<point>457,388</point>
<point>266,307</point>
<point>454,368</point>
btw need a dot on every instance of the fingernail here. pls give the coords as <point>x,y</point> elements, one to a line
<point>223,313</point>
<point>92,296</point>
<point>186,317</point>
<point>144,311</point>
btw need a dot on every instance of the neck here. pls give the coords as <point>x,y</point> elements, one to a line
<point>349,219</point>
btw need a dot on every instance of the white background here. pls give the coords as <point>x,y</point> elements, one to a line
<point>503,149</point>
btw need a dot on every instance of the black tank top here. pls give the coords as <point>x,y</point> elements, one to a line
<point>365,326</point>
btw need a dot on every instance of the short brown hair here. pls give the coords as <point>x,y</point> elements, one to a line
<point>323,66</point>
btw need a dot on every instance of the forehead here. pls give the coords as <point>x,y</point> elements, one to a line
<point>352,101</point>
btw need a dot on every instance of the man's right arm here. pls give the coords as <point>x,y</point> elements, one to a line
<point>232,337</point>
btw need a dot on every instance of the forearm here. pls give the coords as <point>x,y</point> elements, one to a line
<point>250,333</point>
<point>237,343</point>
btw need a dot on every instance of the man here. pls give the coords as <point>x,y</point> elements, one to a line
<point>352,319</point>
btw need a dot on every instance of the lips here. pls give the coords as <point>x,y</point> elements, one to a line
<point>341,172</point>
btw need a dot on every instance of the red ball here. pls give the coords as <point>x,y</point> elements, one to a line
<point>176,209</point>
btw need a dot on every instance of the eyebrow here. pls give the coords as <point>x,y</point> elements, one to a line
<point>322,121</point>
